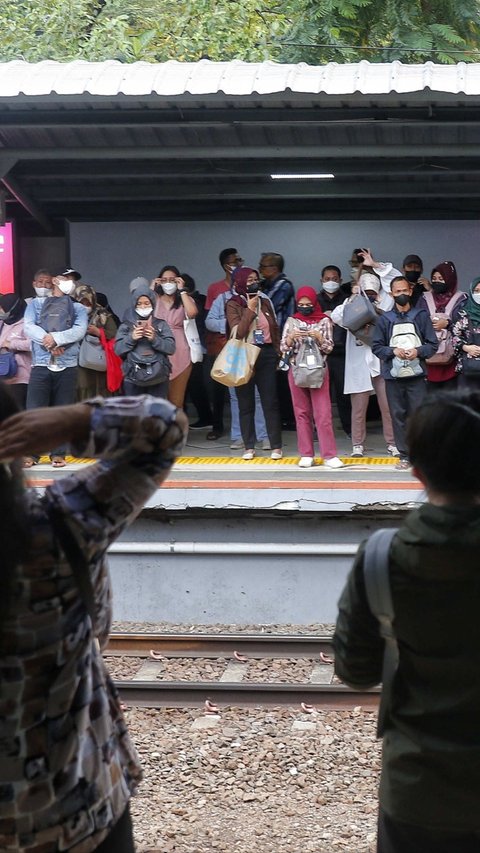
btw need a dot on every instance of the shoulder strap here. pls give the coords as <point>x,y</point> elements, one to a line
<point>430,301</point>
<point>379,597</point>
<point>453,301</point>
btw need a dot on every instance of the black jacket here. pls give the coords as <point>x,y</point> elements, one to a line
<point>431,748</point>
<point>327,304</point>
<point>383,332</point>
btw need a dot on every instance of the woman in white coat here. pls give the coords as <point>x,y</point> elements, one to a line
<point>362,369</point>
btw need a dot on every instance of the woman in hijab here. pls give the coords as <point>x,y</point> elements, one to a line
<point>14,340</point>
<point>443,303</point>
<point>91,383</point>
<point>249,310</point>
<point>311,405</point>
<point>466,338</point>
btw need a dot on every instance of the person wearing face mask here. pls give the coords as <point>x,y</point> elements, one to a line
<point>466,339</point>
<point>311,405</point>
<point>174,305</point>
<point>14,340</point>
<point>362,369</point>
<point>412,268</point>
<point>403,338</point>
<point>443,304</point>
<point>42,284</point>
<point>55,325</point>
<point>250,311</point>
<point>145,343</point>
<point>332,294</point>
<point>93,382</point>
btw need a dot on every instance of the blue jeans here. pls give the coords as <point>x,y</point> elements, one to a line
<point>49,388</point>
<point>260,426</point>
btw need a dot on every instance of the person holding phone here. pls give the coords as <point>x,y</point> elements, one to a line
<point>174,306</point>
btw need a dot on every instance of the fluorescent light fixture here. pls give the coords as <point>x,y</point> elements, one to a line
<point>314,176</point>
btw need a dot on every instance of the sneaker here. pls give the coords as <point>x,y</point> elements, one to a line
<point>306,462</point>
<point>334,462</point>
<point>357,450</point>
<point>403,465</point>
<point>200,425</point>
<point>249,454</point>
<point>266,444</point>
<point>392,450</point>
<point>237,444</point>
<point>276,454</point>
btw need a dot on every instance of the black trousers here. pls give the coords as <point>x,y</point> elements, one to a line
<point>120,839</point>
<point>49,388</point>
<point>265,380</point>
<point>197,392</point>
<point>404,396</point>
<point>336,372</point>
<point>217,393</point>
<point>131,389</point>
<point>396,837</point>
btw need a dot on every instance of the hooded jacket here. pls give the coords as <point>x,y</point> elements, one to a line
<point>163,342</point>
<point>431,748</point>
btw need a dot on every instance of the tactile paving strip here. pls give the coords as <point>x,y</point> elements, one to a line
<point>257,460</point>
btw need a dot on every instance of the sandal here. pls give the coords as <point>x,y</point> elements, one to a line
<point>58,461</point>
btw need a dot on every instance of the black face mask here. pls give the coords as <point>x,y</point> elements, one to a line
<point>439,287</point>
<point>305,310</point>
<point>402,299</point>
<point>412,276</point>
<point>252,289</point>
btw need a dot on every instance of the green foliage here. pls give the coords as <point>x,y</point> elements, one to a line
<point>314,31</point>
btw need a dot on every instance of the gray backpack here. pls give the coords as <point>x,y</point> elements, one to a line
<point>56,314</point>
<point>310,365</point>
<point>379,597</point>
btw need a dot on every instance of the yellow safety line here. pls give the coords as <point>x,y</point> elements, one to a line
<point>257,460</point>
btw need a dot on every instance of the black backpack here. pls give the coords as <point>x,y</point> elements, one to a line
<point>146,366</point>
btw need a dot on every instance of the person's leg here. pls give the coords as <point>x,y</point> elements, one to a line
<point>302,409</point>
<point>18,390</point>
<point>387,427</point>
<point>39,388</point>
<point>416,393</point>
<point>235,431</point>
<point>246,406</point>
<point>336,369</point>
<point>130,389</point>
<point>120,839</point>
<point>322,413</point>
<point>397,397</point>
<point>160,390</point>
<point>197,393</point>
<point>217,393</point>
<point>64,389</point>
<point>178,386</point>
<point>396,837</point>
<point>359,413</point>
<point>265,373</point>
<point>260,425</point>
<point>284,399</point>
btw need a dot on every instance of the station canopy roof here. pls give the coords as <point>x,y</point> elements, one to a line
<point>106,140</point>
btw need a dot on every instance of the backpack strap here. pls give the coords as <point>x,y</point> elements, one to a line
<point>379,597</point>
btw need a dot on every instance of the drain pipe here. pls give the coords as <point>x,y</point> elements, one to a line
<point>237,548</point>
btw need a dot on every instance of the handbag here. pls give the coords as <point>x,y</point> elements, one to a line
<point>92,354</point>
<point>309,367</point>
<point>235,364</point>
<point>445,353</point>
<point>358,312</point>
<point>114,364</point>
<point>8,365</point>
<point>193,340</point>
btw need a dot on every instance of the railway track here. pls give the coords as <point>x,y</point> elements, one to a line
<point>237,651</point>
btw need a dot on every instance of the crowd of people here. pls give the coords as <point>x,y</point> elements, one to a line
<point>389,332</point>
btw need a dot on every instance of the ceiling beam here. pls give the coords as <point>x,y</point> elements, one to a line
<point>27,203</point>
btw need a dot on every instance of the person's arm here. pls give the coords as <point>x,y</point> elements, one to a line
<point>18,341</point>
<point>163,340</point>
<point>236,316</point>
<point>189,305</point>
<point>215,320</point>
<point>77,331</point>
<point>357,642</point>
<point>380,342</point>
<point>337,314</point>
<point>32,329</point>
<point>124,341</point>
<point>430,340</point>
<point>384,269</point>
<point>324,336</point>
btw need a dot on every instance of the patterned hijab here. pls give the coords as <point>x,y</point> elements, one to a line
<point>98,316</point>
<point>471,307</point>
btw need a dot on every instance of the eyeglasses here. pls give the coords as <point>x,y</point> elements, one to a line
<point>167,280</point>
<point>266,266</point>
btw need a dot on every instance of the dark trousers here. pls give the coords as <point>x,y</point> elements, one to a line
<point>18,391</point>
<point>131,389</point>
<point>404,396</point>
<point>197,393</point>
<point>396,837</point>
<point>217,393</point>
<point>287,417</point>
<point>49,388</point>
<point>336,371</point>
<point>264,379</point>
<point>120,839</point>
<point>446,385</point>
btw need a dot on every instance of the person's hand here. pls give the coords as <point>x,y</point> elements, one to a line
<point>410,354</point>
<point>49,341</point>
<point>137,333</point>
<point>154,283</point>
<point>318,336</point>
<point>252,302</point>
<point>399,352</point>
<point>40,430</point>
<point>368,260</point>
<point>148,332</point>
<point>93,330</point>
<point>6,344</point>
<point>425,283</point>
<point>472,350</point>
<point>439,324</point>
<point>355,289</point>
<point>57,351</point>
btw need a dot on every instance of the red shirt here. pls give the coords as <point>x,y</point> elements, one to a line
<point>215,290</point>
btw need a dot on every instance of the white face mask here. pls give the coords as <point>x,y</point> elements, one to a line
<point>42,292</point>
<point>476,298</point>
<point>331,286</point>
<point>66,286</point>
<point>144,312</point>
<point>354,273</point>
<point>170,288</point>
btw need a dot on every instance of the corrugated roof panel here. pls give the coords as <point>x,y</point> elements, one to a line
<point>237,78</point>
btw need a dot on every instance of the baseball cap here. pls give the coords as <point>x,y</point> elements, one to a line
<point>77,276</point>
<point>413,259</point>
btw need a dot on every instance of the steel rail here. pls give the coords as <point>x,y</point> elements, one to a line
<point>219,645</point>
<point>174,694</point>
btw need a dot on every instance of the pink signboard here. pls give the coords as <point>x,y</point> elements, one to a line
<point>6,258</point>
